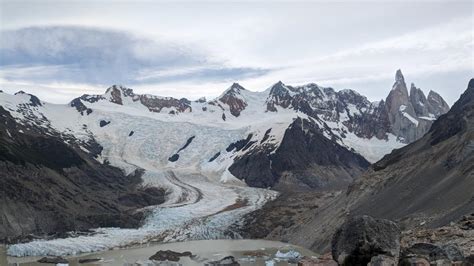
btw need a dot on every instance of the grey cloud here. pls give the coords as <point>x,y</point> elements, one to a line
<point>102,56</point>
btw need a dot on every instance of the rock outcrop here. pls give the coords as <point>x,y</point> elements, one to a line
<point>432,253</point>
<point>233,98</point>
<point>305,156</point>
<point>361,238</point>
<point>53,260</point>
<point>411,115</point>
<point>229,260</point>
<point>169,255</point>
<point>121,95</point>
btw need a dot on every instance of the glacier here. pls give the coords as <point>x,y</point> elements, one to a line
<point>195,207</point>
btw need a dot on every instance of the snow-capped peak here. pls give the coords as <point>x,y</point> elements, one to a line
<point>234,99</point>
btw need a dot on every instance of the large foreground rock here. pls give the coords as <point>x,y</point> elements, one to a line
<point>363,237</point>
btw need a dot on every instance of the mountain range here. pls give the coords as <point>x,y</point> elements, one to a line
<point>426,187</point>
<point>259,120</point>
<point>125,150</point>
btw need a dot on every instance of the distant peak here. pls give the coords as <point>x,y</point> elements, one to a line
<point>235,88</point>
<point>413,85</point>
<point>279,85</point>
<point>236,85</point>
<point>119,88</point>
<point>399,84</point>
<point>399,76</point>
<point>470,86</point>
<point>35,101</point>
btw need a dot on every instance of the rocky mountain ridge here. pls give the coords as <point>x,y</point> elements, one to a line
<point>403,116</point>
<point>301,138</point>
<point>426,187</point>
<point>357,130</point>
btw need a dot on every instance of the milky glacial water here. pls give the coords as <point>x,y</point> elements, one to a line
<point>205,251</point>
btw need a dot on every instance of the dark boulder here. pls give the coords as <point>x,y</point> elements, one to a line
<point>362,237</point>
<point>83,261</point>
<point>229,260</point>
<point>53,260</point>
<point>131,133</point>
<point>453,252</point>
<point>469,260</point>
<point>169,255</point>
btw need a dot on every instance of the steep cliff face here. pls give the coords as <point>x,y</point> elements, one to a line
<point>50,186</point>
<point>436,104</point>
<point>305,159</point>
<point>411,115</point>
<point>419,101</point>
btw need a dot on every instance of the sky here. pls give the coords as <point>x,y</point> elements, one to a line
<point>59,50</point>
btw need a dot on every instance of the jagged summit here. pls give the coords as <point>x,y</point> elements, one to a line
<point>237,86</point>
<point>278,88</point>
<point>279,95</point>
<point>429,175</point>
<point>411,114</point>
<point>399,76</point>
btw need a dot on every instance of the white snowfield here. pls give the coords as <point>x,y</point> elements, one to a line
<point>204,198</point>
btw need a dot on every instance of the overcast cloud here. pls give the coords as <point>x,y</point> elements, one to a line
<point>61,49</point>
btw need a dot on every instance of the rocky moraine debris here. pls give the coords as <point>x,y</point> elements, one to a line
<point>363,240</point>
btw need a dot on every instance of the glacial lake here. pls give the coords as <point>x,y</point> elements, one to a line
<point>204,250</point>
